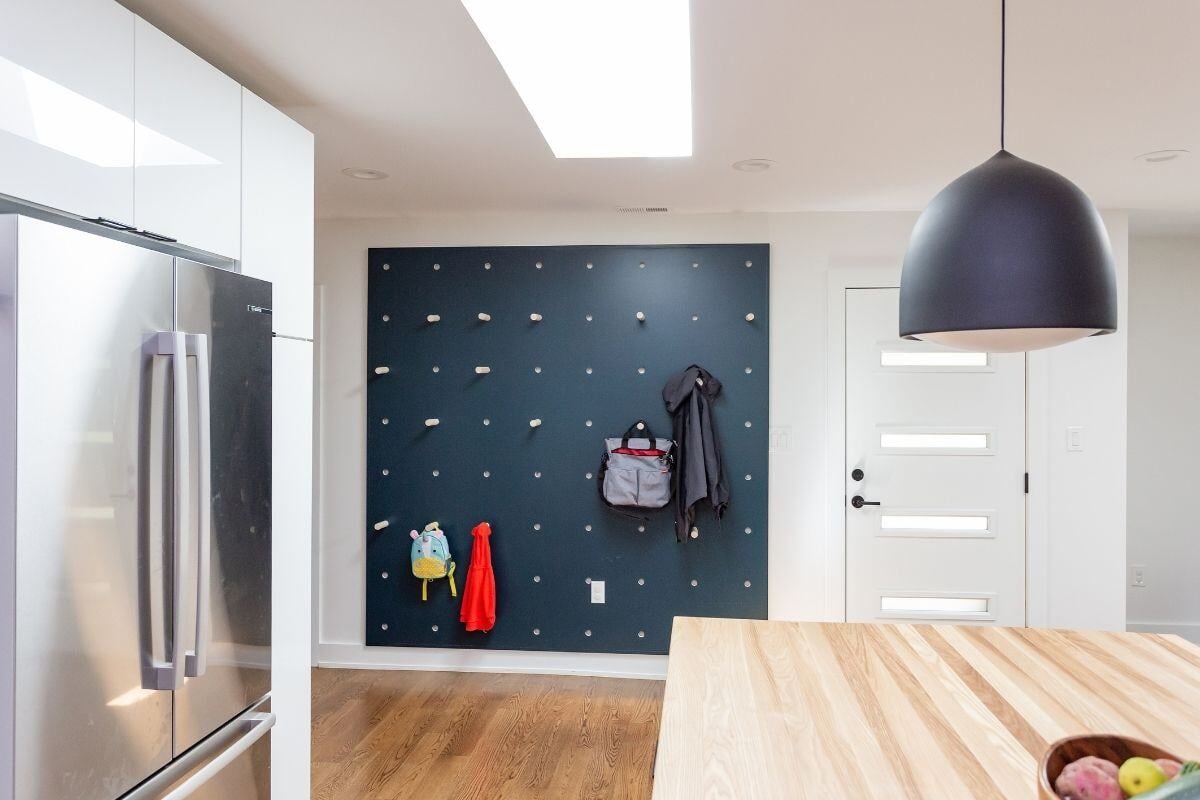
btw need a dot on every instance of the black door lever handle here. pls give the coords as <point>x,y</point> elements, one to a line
<point>858,502</point>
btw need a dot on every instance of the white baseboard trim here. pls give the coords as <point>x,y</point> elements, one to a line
<point>339,655</point>
<point>1188,630</point>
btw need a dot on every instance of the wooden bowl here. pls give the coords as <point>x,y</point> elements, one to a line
<point>1114,748</point>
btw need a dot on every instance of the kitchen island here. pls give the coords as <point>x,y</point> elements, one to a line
<point>759,710</point>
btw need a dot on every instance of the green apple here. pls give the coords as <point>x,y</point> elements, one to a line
<point>1138,775</point>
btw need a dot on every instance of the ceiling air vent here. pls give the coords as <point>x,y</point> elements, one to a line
<point>643,209</point>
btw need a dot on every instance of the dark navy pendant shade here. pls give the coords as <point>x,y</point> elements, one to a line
<point>1010,256</point>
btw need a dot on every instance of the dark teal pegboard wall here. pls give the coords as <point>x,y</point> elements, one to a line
<point>587,369</point>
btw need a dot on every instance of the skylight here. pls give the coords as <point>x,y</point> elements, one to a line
<point>607,79</point>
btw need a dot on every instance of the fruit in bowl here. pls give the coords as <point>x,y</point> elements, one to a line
<point>1089,778</point>
<point>1139,775</point>
<point>1109,767</point>
<point>1095,778</point>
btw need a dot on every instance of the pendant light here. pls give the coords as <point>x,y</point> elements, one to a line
<point>1011,256</point>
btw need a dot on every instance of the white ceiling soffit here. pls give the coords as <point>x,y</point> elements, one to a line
<point>862,104</point>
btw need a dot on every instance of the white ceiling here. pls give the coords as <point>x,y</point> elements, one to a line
<point>864,104</point>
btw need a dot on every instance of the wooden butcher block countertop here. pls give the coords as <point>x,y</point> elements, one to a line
<point>757,709</point>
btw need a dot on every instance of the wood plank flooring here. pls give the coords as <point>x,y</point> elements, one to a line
<point>390,735</point>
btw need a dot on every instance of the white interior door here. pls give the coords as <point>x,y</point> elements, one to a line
<point>936,437</point>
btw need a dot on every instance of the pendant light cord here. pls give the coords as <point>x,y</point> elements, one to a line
<point>1003,48</point>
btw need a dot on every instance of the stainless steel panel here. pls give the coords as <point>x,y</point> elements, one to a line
<point>234,763</point>
<point>89,510</point>
<point>230,643</point>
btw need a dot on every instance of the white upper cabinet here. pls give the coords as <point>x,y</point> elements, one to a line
<point>187,148</point>
<point>277,211</point>
<point>66,105</point>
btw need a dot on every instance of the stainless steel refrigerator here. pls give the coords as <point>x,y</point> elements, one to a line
<point>135,520</point>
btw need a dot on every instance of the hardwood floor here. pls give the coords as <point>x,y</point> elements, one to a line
<point>388,735</point>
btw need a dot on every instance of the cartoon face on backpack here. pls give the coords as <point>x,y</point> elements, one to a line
<point>430,558</point>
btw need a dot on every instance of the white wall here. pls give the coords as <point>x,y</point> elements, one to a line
<point>1086,388</point>
<point>1077,500</point>
<point>1164,434</point>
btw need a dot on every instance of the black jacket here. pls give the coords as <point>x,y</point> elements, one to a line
<point>699,473</point>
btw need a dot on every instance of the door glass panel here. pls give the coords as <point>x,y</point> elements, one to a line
<point>893,523</point>
<point>931,358</point>
<point>934,441</point>
<point>941,607</point>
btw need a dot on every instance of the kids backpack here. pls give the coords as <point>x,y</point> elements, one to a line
<point>431,558</point>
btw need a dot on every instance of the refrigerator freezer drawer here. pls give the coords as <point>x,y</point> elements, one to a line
<point>232,764</point>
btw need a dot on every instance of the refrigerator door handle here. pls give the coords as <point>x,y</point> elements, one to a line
<point>196,661</point>
<point>169,675</point>
<point>256,725</point>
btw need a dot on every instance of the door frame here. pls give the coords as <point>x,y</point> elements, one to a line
<point>837,282</point>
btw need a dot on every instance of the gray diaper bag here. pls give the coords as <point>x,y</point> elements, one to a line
<point>635,471</point>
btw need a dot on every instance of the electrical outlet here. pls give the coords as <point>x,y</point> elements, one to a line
<point>1137,575</point>
<point>781,438</point>
<point>597,591</point>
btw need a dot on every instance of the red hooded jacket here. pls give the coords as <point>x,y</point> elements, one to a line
<point>478,610</point>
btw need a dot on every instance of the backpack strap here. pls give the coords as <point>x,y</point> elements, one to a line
<point>644,433</point>
<point>450,575</point>
<point>424,590</point>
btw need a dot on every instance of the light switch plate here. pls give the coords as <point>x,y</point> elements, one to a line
<point>1075,439</point>
<point>597,591</point>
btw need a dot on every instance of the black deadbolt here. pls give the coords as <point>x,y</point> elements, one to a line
<point>857,474</point>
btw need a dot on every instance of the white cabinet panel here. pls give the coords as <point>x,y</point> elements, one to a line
<point>187,148</point>
<point>277,211</point>
<point>66,105</point>
<point>291,566</point>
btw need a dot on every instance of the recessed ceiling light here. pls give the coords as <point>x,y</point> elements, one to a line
<point>1159,156</point>
<point>363,174</point>
<point>608,79</point>
<point>753,165</point>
